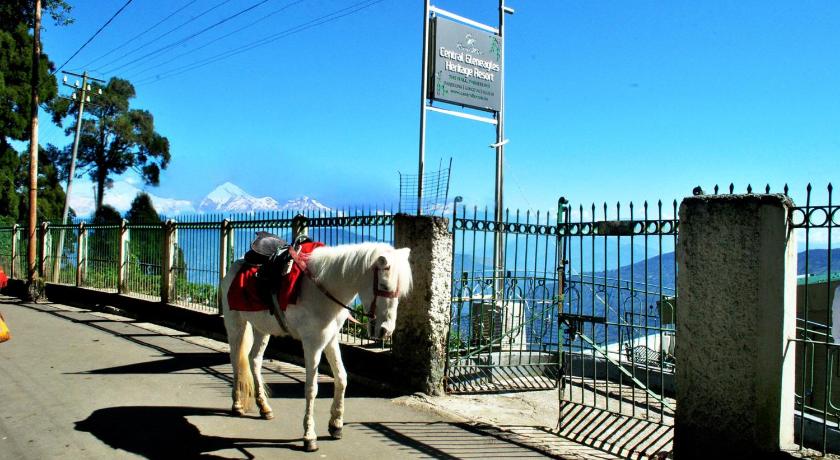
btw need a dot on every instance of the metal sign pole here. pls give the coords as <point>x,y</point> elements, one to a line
<point>424,91</point>
<point>500,148</point>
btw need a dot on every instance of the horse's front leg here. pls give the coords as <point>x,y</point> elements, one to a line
<point>340,381</point>
<point>312,357</point>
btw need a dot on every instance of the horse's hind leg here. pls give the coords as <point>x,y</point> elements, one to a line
<point>239,339</point>
<point>255,359</point>
<point>340,382</point>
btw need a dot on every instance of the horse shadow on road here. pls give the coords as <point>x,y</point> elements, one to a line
<point>164,432</point>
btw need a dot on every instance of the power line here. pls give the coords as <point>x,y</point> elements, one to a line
<point>338,14</point>
<point>246,26</point>
<point>190,37</point>
<point>92,37</point>
<point>179,26</point>
<point>141,33</point>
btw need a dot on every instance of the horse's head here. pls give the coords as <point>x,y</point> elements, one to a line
<point>390,279</point>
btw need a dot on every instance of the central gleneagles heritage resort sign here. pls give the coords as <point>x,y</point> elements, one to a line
<point>466,69</point>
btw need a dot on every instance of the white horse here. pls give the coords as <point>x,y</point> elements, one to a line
<point>376,272</point>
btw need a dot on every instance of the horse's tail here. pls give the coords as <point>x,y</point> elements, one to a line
<point>244,377</point>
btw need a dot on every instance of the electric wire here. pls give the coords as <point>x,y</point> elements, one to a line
<point>335,15</point>
<point>132,39</point>
<point>102,67</point>
<point>190,37</point>
<point>246,26</point>
<point>92,37</point>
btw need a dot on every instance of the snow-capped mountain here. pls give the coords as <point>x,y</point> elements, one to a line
<point>230,198</point>
<point>304,203</point>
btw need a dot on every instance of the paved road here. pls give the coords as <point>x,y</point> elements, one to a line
<point>78,384</point>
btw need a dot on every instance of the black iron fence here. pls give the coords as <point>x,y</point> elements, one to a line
<point>504,333</point>
<point>817,224</point>
<point>618,311</point>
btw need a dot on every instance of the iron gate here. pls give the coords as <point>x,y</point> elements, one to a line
<point>503,333</point>
<point>617,318</point>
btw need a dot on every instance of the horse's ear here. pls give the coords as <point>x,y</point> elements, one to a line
<point>403,252</point>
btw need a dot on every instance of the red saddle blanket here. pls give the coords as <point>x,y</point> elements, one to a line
<point>243,294</point>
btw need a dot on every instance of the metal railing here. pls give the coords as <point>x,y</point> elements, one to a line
<point>817,224</point>
<point>180,262</point>
<point>503,331</point>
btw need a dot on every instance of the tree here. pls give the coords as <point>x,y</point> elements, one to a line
<point>15,71</point>
<point>117,138</point>
<point>145,243</point>
<point>142,210</point>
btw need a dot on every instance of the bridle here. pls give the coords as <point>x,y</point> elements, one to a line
<point>380,293</point>
<point>301,264</point>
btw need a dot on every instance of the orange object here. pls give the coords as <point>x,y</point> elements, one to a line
<point>4,330</point>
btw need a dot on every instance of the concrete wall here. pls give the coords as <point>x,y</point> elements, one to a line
<point>737,290</point>
<point>419,342</point>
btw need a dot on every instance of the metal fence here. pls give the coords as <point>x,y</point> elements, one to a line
<point>617,314</point>
<point>817,224</point>
<point>503,332</point>
<point>129,258</point>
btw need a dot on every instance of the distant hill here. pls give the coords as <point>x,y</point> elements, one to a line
<point>818,261</point>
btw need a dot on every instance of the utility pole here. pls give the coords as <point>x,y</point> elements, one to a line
<point>31,250</point>
<point>81,97</point>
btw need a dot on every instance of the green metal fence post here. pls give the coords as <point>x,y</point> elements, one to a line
<point>81,255</point>
<point>13,267</point>
<point>167,263</point>
<point>300,226</point>
<point>122,257</point>
<point>224,242</point>
<point>42,248</point>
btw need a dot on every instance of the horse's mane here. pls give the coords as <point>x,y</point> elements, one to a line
<point>352,260</point>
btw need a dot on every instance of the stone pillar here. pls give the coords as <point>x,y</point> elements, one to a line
<point>419,342</point>
<point>737,313</point>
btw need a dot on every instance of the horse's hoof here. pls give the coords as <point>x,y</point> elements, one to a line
<point>310,445</point>
<point>335,433</point>
<point>238,411</point>
<point>268,415</point>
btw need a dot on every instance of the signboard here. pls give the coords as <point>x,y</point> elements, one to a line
<point>466,68</point>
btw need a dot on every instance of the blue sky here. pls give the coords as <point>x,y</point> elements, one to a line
<point>606,101</point>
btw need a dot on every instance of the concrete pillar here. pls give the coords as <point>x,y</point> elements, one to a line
<point>419,342</point>
<point>737,312</point>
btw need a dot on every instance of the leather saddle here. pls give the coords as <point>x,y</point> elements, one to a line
<point>271,254</point>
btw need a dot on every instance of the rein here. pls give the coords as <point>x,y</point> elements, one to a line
<point>376,291</point>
